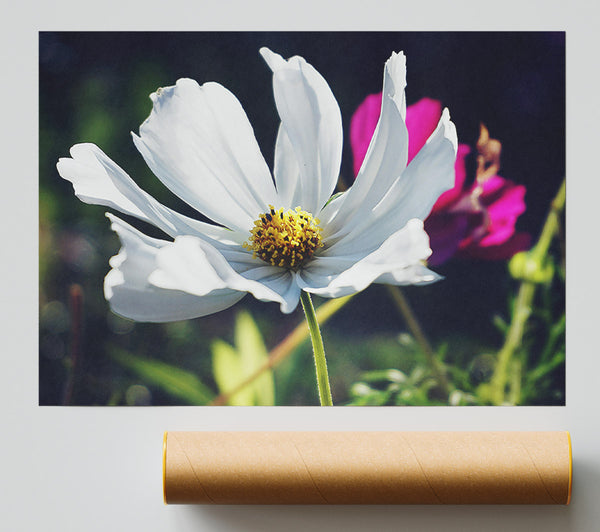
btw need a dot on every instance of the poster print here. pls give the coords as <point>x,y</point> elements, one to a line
<point>302,218</point>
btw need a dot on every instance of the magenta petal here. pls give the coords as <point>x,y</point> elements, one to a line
<point>456,225</point>
<point>421,120</point>
<point>451,196</point>
<point>493,187</point>
<point>445,231</point>
<point>498,233</point>
<point>503,198</point>
<point>507,203</point>
<point>362,126</point>
<point>517,242</point>
<point>503,203</point>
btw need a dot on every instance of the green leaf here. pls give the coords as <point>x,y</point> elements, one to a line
<point>229,373</point>
<point>363,395</point>
<point>500,323</point>
<point>233,365</point>
<point>173,380</point>
<point>254,355</point>
<point>484,393</point>
<point>391,375</point>
<point>360,389</point>
<point>543,369</point>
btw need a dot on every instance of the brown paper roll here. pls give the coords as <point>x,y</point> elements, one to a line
<point>367,467</point>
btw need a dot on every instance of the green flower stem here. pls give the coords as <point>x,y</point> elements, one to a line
<point>513,340</point>
<point>415,328</point>
<point>318,350</point>
<point>287,346</point>
<point>515,382</point>
<point>552,224</point>
<point>523,304</point>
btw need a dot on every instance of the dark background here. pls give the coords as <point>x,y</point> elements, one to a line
<point>94,87</point>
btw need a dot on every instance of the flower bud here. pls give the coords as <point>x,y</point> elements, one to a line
<point>525,266</point>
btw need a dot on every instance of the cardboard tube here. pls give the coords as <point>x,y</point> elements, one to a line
<point>367,467</point>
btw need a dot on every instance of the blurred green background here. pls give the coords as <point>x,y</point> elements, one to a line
<point>94,87</point>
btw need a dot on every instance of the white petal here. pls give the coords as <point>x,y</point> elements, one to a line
<point>417,274</point>
<point>398,261</point>
<point>412,195</point>
<point>192,265</point>
<point>98,180</point>
<point>385,159</point>
<point>287,172</point>
<point>92,184</point>
<point>129,293</point>
<point>429,174</point>
<point>198,141</point>
<point>281,281</point>
<point>312,121</point>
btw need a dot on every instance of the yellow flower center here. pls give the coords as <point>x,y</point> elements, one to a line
<point>285,239</point>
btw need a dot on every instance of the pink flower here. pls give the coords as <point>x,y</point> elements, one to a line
<point>476,220</point>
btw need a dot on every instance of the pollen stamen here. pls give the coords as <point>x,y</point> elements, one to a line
<point>285,239</point>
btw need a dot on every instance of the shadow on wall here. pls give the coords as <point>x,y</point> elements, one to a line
<point>381,518</point>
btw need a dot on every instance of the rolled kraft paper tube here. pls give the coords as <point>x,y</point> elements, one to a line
<point>367,467</point>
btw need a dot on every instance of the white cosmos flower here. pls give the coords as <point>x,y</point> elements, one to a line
<point>199,143</point>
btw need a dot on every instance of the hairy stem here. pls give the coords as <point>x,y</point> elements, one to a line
<point>318,350</point>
